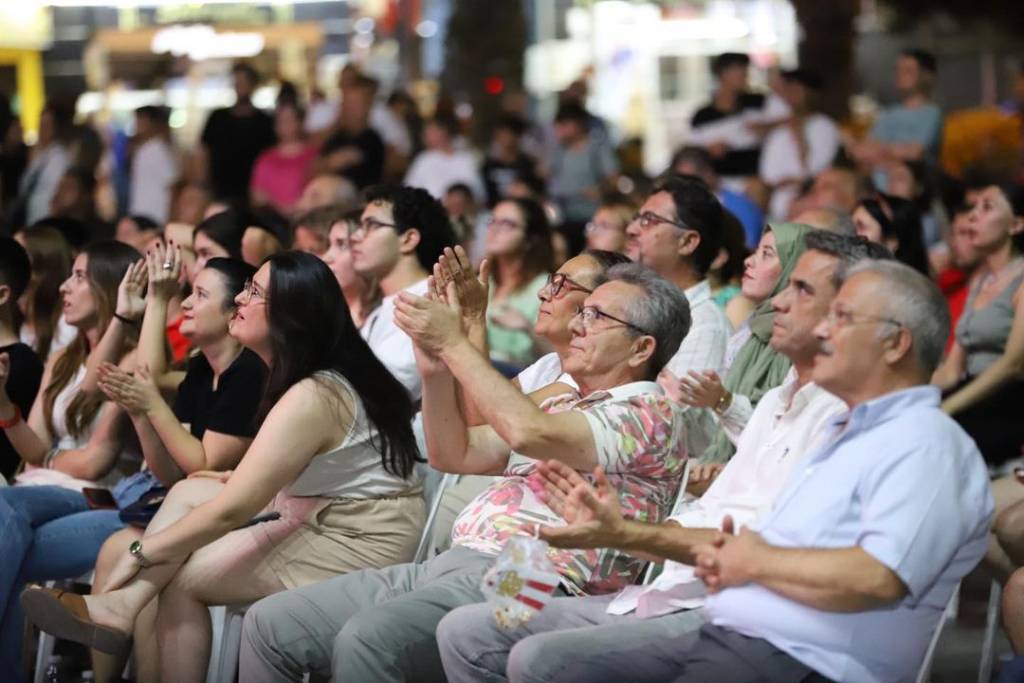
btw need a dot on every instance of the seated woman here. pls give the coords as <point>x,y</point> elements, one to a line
<point>69,441</point>
<point>520,252</point>
<point>753,366</point>
<point>980,375</point>
<point>332,460</point>
<point>211,423</point>
<point>896,224</point>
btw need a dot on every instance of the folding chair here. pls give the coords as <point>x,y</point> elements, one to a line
<point>44,650</point>
<point>434,506</point>
<point>988,644</point>
<point>924,674</point>
<point>226,642</point>
<point>651,572</point>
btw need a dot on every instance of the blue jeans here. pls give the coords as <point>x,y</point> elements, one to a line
<point>46,532</point>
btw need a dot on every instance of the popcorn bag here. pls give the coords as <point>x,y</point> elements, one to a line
<point>521,582</point>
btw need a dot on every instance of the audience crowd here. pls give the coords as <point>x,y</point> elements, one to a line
<point>761,409</point>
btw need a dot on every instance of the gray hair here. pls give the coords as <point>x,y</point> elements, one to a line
<point>916,302</point>
<point>848,249</point>
<point>663,311</point>
<point>839,221</point>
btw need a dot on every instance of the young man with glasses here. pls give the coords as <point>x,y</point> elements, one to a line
<point>678,233</point>
<point>401,234</point>
<point>379,625</point>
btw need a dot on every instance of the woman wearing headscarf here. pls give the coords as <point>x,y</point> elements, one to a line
<point>753,367</point>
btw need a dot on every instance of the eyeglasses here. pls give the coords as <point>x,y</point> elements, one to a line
<point>593,227</point>
<point>841,318</point>
<point>559,281</point>
<point>589,314</point>
<point>252,291</point>
<point>366,226</point>
<point>649,219</point>
<point>503,223</point>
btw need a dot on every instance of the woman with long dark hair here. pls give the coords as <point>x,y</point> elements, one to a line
<point>43,326</point>
<point>896,224</point>
<point>332,461</point>
<point>520,252</point>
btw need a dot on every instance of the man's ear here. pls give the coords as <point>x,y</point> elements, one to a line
<point>643,349</point>
<point>898,346</point>
<point>5,294</point>
<point>409,240</point>
<point>688,242</point>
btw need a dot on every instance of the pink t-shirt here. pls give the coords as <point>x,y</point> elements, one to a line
<point>282,177</point>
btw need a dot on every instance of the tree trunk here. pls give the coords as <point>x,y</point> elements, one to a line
<point>826,46</point>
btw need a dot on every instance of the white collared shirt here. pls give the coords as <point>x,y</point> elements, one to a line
<point>392,346</point>
<point>787,424</point>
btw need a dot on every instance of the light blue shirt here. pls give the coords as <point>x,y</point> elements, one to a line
<point>905,483</point>
<point>922,125</point>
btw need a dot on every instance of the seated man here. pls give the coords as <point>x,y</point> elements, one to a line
<point>402,233</point>
<point>638,634</point>
<point>379,625</point>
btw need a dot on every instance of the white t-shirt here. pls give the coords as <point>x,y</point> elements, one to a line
<point>154,170</point>
<point>393,346</point>
<point>780,158</point>
<point>436,171</point>
<point>546,370</point>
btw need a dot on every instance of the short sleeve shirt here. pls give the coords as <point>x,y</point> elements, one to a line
<point>638,436</point>
<point>231,407</point>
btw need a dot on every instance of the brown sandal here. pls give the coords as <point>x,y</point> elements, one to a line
<point>65,615</point>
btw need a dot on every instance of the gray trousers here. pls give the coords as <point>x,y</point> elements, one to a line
<point>371,625</point>
<point>571,639</point>
<point>725,656</point>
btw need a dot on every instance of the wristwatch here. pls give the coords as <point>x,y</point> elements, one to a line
<point>723,403</point>
<point>135,550</point>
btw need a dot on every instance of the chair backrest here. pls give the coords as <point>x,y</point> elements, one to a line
<point>650,573</point>
<point>924,674</point>
<point>433,505</point>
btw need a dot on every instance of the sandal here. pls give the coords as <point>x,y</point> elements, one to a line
<point>66,616</point>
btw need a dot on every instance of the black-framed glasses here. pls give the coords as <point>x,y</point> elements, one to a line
<point>842,318</point>
<point>251,291</point>
<point>366,226</point>
<point>589,314</point>
<point>648,219</point>
<point>560,281</point>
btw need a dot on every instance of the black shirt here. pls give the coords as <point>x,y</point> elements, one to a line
<point>228,409</point>
<point>370,145</point>
<point>22,386</point>
<point>234,142</point>
<point>735,162</point>
<point>499,175</point>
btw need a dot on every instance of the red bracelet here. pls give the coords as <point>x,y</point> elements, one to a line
<point>15,419</point>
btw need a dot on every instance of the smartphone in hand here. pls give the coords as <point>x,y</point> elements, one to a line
<point>99,499</point>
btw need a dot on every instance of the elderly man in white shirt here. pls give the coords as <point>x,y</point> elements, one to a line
<point>633,635</point>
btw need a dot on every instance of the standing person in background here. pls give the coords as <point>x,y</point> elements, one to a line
<point>506,163</point>
<point>910,130</point>
<point>154,164</point>
<point>49,158</point>
<point>581,167</point>
<point>519,249</point>
<point>281,172</point>
<point>234,137</point>
<point>18,362</point>
<point>13,153</point>
<point>802,147</point>
<point>720,126</point>
<point>354,150</point>
<point>75,199</point>
<point>442,164</point>
<point>43,326</point>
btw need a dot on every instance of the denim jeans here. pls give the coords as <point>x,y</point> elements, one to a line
<point>46,532</point>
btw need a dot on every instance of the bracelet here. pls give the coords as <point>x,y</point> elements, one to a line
<point>14,419</point>
<point>723,403</point>
<point>50,457</point>
<point>125,319</point>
